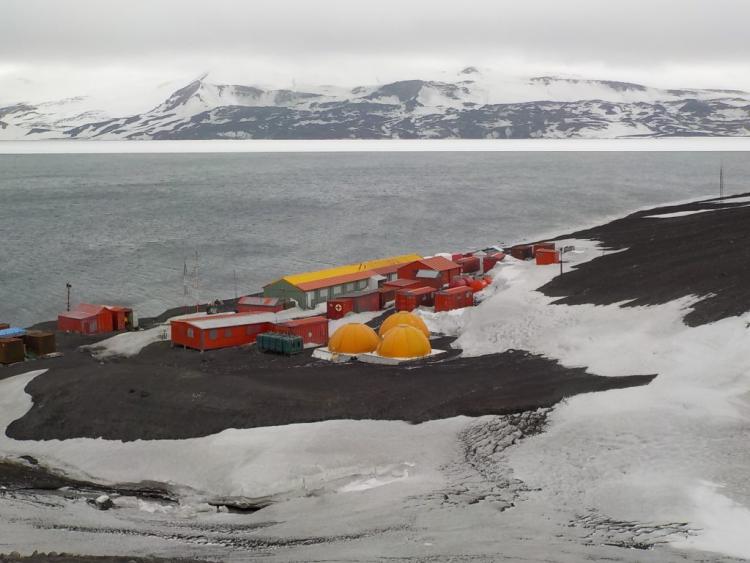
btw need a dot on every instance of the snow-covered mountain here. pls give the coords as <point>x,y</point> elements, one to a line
<point>470,104</point>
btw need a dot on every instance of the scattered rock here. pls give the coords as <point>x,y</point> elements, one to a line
<point>102,502</point>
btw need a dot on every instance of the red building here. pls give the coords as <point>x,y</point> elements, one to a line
<point>435,272</point>
<point>454,298</point>
<point>95,319</point>
<point>410,299</point>
<point>354,303</point>
<point>255,304</point>
<point>218,331</point>
<point>313,330</point>
<point>546,256</point>
<point>388,289</point>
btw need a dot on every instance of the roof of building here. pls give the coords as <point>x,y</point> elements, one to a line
<point>438,263</point>
<point>303,321</point>
<point>336,280</point>
<point>404,341</point>
<point>401,282</point>
<point>380,266</point>
<point>12,332</point>
<point>403,318</point>
<point>229,320</point>
<point>353,338</point>
<point>259,301</point>
<point>83,311</point>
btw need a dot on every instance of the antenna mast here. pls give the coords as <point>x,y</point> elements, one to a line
<point>195,282</point>
<point>721,181</point>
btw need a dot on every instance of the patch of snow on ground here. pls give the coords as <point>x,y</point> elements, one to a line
<point>685,213</point>
<point>282,461</point>
<point>677,214</point>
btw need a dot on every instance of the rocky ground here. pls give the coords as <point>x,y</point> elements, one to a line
<point>661,259</point>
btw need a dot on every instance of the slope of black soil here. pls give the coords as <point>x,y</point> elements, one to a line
<point>705,254</point>
<point>174,393</point>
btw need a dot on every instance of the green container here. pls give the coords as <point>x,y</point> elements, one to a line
<point>278,343</point>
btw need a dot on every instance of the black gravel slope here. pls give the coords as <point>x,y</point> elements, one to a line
<point>705,254</point>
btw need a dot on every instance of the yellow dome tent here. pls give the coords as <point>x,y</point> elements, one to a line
<point>403,318</point>
<point>404,341</point>
<point>353,338</point>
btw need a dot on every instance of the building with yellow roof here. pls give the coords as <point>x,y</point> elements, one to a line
<point>309,289</point>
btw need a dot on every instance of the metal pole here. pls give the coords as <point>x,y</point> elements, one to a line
<point>68,286</point>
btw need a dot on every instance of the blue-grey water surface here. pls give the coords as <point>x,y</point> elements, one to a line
<point>120,227</point>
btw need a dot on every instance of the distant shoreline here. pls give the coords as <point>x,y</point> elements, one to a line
<point>660,144</point>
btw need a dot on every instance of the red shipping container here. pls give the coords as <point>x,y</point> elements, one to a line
<point>365,301</point>
<point>469,264</point>
<point>389,288</point>
<point>313,330</point>
<point>453,298</point>
<point>545,245</point>
<point>522,251</point>
<point>410,299</point>
<point>338,308</point>
<point>546,256</point>
<point>491,260</point>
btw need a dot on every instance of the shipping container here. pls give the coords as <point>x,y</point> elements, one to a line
<point>313,330</point>
<point>410,299</point>
<point>39,342</point>
<point>543,245</point>
<point>389,289</point>
<point>491,260</point>
<point>522,251</point>
<point>546,256</point>
<point>453,298</point>
<point>365,301</point>
<point>280,343</point>
<point>338,308</point>
<point>11,351</point>
<point>469,264</point>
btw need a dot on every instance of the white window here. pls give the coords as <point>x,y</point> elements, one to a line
<point>190,333</point>
<point>323,293</point>
<point>337,289</point>
<point>350,286</point>
<point>310,296</point>
<point>213,334</point>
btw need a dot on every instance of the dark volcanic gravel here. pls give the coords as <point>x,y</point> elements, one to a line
<point>704,254</point>
<point>174,393</point>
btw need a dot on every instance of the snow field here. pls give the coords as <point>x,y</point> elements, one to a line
<point>282,461</point>
<point>672,451</point>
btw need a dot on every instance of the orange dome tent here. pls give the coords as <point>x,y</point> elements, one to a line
<point>404,341</point>
<point>353,338</point>
<point>403,318</point>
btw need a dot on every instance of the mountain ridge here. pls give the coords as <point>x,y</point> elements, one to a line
<point>470,104</point>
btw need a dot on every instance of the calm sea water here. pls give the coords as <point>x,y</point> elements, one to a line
<point>119,228</point>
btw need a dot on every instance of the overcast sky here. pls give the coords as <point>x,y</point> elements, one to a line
<point>68,46</point>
